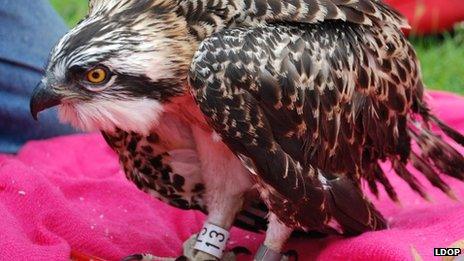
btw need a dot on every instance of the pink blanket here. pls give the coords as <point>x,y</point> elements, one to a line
<point>69,194</point>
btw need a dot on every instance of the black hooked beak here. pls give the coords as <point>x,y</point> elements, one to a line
<point>43,97</point>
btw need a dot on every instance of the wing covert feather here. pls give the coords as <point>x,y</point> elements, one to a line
<point>205,17</point>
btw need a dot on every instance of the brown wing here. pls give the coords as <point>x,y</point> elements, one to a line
<point>305,106</point>
<point>278,96</point>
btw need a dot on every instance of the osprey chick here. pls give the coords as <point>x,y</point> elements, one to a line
<point>225,105</point>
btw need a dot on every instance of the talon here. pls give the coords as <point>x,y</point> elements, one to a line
<point>241,251</point>
<point>266,254</point>
<point>147,257</point>
<point>133,257</point>
<point>291,253</point>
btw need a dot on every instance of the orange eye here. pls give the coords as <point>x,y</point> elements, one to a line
<point>97,75</point>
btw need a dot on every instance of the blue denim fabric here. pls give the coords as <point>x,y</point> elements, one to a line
<point>28,31</point>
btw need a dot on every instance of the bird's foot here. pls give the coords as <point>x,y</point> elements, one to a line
<point>147,257</point>
<point>266,254</point>
<point>192,254</point>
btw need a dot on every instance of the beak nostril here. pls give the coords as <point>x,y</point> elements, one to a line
<point>43,98</point>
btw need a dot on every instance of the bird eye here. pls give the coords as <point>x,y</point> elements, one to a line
<point>98,75</point>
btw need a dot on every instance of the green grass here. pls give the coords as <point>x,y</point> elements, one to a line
<point>71,10</point>
<point>442,58</point>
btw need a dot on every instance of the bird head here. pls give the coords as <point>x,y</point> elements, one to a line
<point>117,68</point>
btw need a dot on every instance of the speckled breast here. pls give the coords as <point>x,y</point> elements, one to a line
<point>171,176</point>
<point>174,176</point>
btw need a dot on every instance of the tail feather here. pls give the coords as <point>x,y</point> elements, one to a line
<point>432,176</point>
<point>436,155</point>
<point>382,178</point>
<point>407,176</point>
<point>351,209</point>
<point>371,182</point>
<point>439,153</point>
<point>450,132</point>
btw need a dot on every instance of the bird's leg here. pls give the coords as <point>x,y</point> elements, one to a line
<point>228,256</point>
<point>277,235</point>
<point>211,241</point>
<point>226,182</point>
